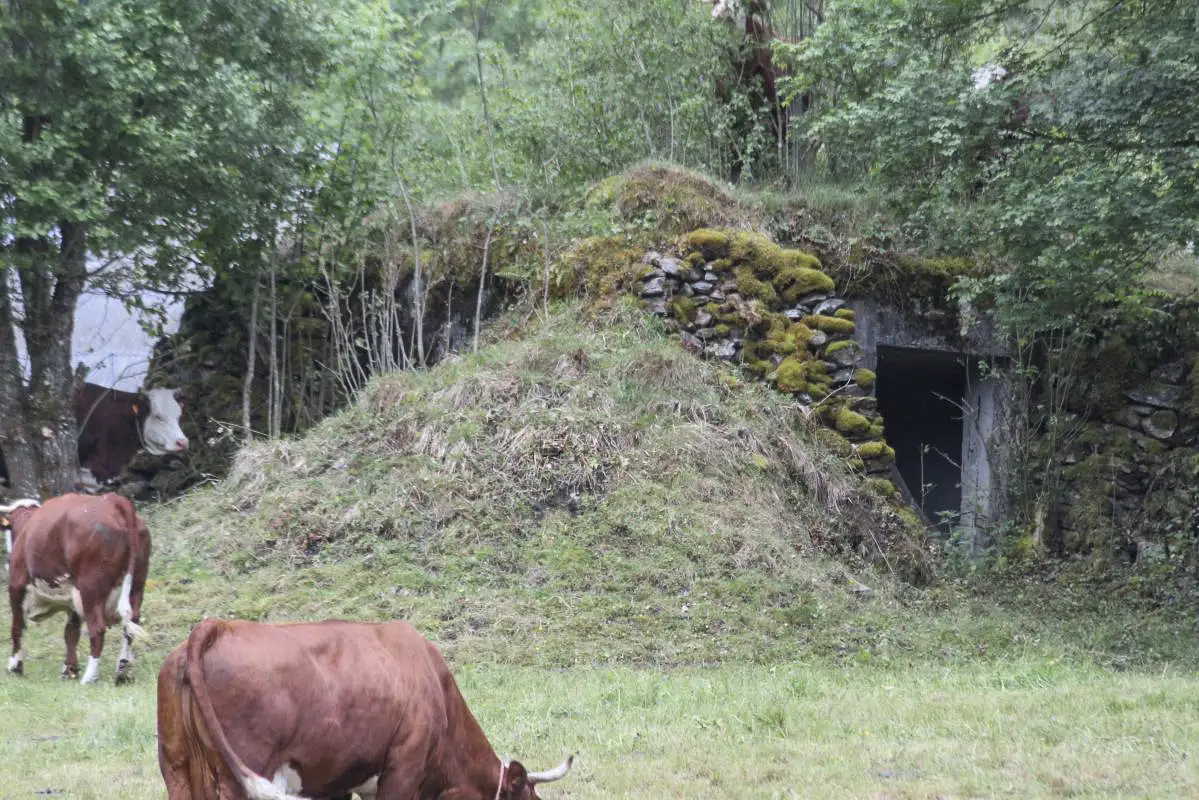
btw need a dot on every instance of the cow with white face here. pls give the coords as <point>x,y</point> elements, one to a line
<point>115,425</point>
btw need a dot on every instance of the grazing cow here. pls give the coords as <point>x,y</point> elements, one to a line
<point>261,711</point>
<point>84,555</point>
<point>114,425</point>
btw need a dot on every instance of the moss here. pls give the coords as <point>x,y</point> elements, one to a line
<point>748,285</point>
<point>829,324</point>
<point>876,429</point>
<point>910,518</point>
<point>721,265</point>
<point>881,486</point>
<point>696,260</point>
<point>670,199</point>
<point>712,308</point>
<point>722,329</point>
<point>851,422</point>
<point>876,449</point>
<point>793,283</point>
<point>834,442</point>
<point>683,308</point>
<point>864,378</point>
<point>836,347</point>
<point>777,335</point>
<point>792,375</point>
<point>604,266</point>
<point>1113,368</point>
<point>768,260</point>
<point>712,243</point>
<point>845,313</point>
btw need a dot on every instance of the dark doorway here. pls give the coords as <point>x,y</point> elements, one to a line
<point>919,395</point>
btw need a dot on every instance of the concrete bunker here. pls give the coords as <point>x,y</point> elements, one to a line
<point>944,399</point>
<point>920,395</point>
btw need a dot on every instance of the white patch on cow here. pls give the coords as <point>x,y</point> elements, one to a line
<point>368,789</point>
<point>161,433</point>
<point>43,600</point>
<point>92,673</point>
<point>8,540</point>
<point>287,779</point>
<point>87,480</point>
<point>14,661</point>
<point>124,606</point>
<point>259,788</point>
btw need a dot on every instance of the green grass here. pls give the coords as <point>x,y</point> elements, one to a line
<point>638,557</point>
<point>1026,728</point>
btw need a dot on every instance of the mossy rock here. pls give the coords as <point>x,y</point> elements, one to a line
<point>865,378</point>
<point>767,259</point>
<point>831,325</point>
<point>876,450</point>
<point>750,286</point>
<point>851,422</point>
<point>602,266</point>
<point>792,283</point>
<point>834,442</point>
<point>846,313</point>
<point>792,374</point>
<point>838,346</point>
<point>696,260</point>
<point>683,308</point>
<point>882,486</point>
<point>713,244</point>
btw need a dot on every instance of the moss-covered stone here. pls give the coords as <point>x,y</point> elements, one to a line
<point>845,313</point>
<point>851,422</point>
<point>882,486</point>
<point>837,347</point>
<point>767,259</point>
<point>828,324</point>
<point>864,378</point>
<point>876,450</point>
<point>683,308</point>
<point>793,282</point>
<point>834,442</point>
<point>713,244</point>
<point>792,374</point>
<point>749,285</point>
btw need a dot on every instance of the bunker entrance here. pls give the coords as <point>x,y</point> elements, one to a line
<point>920,395</point>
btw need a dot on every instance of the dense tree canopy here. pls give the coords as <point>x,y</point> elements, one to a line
<point>1060,137</point>
<point>128,130</point>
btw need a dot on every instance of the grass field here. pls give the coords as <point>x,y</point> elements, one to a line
<point>639,558</point>
<point>1007,728</point>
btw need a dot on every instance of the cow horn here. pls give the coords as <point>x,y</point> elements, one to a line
<point>22,503</point>
<point>557,773</point>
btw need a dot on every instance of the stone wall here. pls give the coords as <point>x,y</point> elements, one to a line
<point>1129,458</point>
<point>738,297</point>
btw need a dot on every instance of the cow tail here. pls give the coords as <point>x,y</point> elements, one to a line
<point>133,524</point>
<point>256,787</point>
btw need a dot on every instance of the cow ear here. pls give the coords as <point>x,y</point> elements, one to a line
<point>517,778</point>
<point>135,408</point>
<point>5,522</point>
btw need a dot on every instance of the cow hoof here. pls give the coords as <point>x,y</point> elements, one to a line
<point>69,674</point>
<point>17,669</point>
<point>123,669</point>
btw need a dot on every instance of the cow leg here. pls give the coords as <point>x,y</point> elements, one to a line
<point>16,601</point>
<point>135,602</point>
<point>70,665</point>
<point>93,612</point>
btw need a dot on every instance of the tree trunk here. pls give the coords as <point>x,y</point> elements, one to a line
<point>19,454</point>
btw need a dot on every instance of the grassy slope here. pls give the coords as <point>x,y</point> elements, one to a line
<point>446,497</point>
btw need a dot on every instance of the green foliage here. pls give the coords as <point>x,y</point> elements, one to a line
<point>1074,167</point>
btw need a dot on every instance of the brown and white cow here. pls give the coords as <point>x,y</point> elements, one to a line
<point>262,711</point>
<point>86,556</point>
<point>114,425</point>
